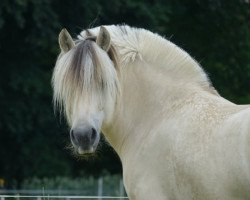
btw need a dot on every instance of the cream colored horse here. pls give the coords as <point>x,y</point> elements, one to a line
<point>176,136</point>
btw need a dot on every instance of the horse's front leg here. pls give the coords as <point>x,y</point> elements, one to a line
<point>141,187</point>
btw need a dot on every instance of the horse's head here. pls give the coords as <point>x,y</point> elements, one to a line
<point>85,84</point>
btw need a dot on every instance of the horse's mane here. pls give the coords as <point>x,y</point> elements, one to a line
<point>140,44</point>
<point>86,71</point>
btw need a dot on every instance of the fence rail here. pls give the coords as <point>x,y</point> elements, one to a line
<point>98,190</point>
<point>56,192</point>
<point>48,197</point>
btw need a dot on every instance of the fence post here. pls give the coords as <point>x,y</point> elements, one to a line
<point>100,187</point>
<point>39,198</point>
<point>2,198</point>
<point>121,188</point>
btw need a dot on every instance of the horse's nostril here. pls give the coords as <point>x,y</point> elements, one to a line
<point>84,137</point>
<point>93,134</point>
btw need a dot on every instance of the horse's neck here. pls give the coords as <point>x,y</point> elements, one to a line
<point>133,43</point>
<point>155,75</point>
<point>176,61</point>
<point>147,95</point>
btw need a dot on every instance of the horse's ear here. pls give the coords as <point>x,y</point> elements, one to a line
<point>103,39</point>
<point>65,41</point>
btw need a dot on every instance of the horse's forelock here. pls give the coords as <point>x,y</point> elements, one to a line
<point>83,73</point>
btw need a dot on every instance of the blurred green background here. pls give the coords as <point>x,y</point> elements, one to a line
<point>33,141</point>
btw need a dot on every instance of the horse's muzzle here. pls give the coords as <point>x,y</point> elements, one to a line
<point>84,139</point>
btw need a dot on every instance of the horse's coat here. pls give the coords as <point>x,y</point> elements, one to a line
<point>176,136</point>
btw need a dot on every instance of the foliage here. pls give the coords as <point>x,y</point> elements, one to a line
<point>32,139</point>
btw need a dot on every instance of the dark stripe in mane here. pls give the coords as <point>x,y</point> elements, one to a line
<point>123,29</point>
<point>111,52</point>
<point>84,50</point>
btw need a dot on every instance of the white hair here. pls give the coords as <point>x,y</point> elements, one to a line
<point>85,73</point>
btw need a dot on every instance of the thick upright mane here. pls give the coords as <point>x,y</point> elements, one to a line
<point>84,73</point>
<point>139,44</point>
<point>177,62</point>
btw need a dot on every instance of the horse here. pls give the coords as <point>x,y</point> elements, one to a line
<point>176,137</point>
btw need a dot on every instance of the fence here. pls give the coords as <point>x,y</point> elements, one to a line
<point>37,197</point>
<point>101,193</point>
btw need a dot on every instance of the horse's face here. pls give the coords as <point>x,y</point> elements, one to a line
<point>87,118</point>
<point>85,85</point>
